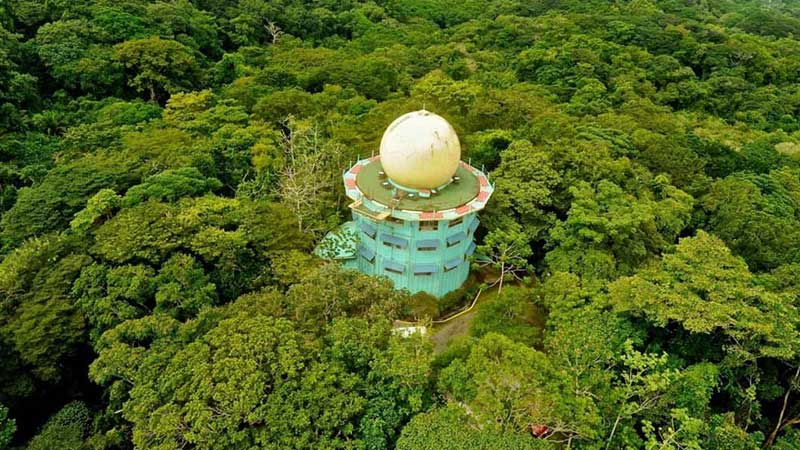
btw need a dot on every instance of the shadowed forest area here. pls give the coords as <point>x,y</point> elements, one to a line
<point>166,168</point>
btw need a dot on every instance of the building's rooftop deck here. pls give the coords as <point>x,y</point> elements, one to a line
<point>452,196</point>
<point>371,198</point>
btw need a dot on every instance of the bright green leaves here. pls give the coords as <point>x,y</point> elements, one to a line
<point>330,292</point>
<point>507,386</point>
<point>233,238</point>
<point>507,249</point>
<point>705,289</point>
<point>526,180</point>
<point>229,377</point>
<point>61,45</point>
<point>201,113</point>
<point>170,185</point>
<point>51,204</point>
<point>7,428</point>
<point>757,216</point>
<point>608,232</point>
<point>513,314</point>
<point>183,288</point>
<point>66,429</point>
<point>143,232</point>
<point>450,427</point>
<point>157,66</point>
<point>219,384</point>
<point>110,296</point>
<point>42,326</point>
<point>100,206</point>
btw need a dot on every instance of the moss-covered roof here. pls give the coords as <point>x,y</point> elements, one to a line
<point>340,243</point>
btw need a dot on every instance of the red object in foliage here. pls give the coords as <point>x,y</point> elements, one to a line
<point>539,430</point>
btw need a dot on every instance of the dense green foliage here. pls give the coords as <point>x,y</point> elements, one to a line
<point>167,166</point>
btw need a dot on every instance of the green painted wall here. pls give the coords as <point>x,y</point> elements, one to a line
<point>398,252</point>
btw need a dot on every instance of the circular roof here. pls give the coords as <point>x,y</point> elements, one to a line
<point>420,150</point>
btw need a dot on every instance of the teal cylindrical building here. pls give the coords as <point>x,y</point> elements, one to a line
<point>415,207</point>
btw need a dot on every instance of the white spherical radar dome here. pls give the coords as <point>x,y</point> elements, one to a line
<point>420,150</point>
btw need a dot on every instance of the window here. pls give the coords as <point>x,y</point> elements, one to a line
<point>455,239</point>
<point>427,245</point>
<point>422,270</point>
<point>474,225</point>
<point>456,222</point>
<point>429,225</point>
<point>395,221</point>
<point>394,241</point>
<point>366,253</point>
<point>368,229</point>
<point>393,266</point>
<point>452,264</point>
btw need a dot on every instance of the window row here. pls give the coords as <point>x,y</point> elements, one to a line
<point>423,269</point>
<point>423,245</point>
<point>424,225</point>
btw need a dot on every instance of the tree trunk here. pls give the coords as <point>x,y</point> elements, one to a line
<point>502,274</point>
<point>614,429</point>
<point>780,423</point>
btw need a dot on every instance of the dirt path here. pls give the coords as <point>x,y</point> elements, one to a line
<point>444,334</point>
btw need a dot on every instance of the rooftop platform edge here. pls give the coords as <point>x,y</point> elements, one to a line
<point>363,185</point>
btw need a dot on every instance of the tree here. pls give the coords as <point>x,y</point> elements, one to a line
<point>449,427</point>
<point>171,185</point>
<point>331,292</point>
<point>61,44</point>
<point>157,66</point>
<point>525,181</point>
<point>274,31</point>
<point>705,289</point>
<point>108,296</point>
<point>17,88</point>
<point>508,251</point>
<point>302,187</point>
<point>51,204</point>
<point>508,387</point>
<point>757,217</point>
<point>513,314</point>
<point>40,328</point>
<point>238,372</point>
<point>186,24</point>
<point>609,231</point>
<point>234,240</point>
<point>66,429</point>
<point>7,428</point>
<point>645,378</point>
<point>183,288</point>
<point>100,206</point>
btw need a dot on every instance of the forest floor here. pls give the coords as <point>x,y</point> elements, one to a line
<point>445,333</point>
